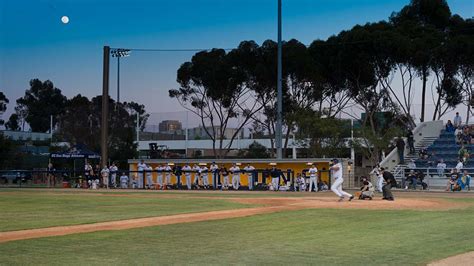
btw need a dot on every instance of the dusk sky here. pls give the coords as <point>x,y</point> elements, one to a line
<point>35,44</point>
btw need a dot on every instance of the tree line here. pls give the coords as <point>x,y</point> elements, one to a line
<point>374,67</point>
<point>77,120</point>
<point>377,68</point>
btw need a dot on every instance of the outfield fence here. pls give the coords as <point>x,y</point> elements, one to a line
<point>66,178</point>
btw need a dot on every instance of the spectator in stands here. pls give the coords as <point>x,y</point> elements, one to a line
<point>450,127</point>
<point>457,120</point>
<point>411,142</point>
<point>423,154</point>
<point>411,164</point>
<point>460,165</point>
<point>458,134</point>
<point>465,181</point>
<point>401,149</point>
<point>463,154</point>
<point>471,132</point>
<point>453,179</point>
<point>432,159</point>
<point>465,137</point>
<point>412,178</point>
<point>441,167</point>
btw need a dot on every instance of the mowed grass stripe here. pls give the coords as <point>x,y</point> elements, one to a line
<point>38,210</point>
<point>311,236</point>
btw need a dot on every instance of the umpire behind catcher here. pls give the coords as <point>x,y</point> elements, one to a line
<point>390,182</point>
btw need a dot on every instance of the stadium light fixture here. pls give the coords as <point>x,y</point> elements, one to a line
<point>118,53</point>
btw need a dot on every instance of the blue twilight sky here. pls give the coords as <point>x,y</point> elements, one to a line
<point>35,44</point>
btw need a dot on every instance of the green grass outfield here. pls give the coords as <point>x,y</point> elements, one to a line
<point>310,236</point>
<point>28,209</point>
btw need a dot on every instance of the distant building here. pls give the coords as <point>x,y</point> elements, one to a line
<point>26,135</point>
<point>200,133</point>
<point>169,126</point>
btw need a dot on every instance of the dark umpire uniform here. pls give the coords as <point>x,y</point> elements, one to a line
<point>387,188</point>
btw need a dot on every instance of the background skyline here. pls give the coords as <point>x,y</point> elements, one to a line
<point>35,44</point>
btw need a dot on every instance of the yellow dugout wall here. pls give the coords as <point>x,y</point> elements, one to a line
<point>296,165</point>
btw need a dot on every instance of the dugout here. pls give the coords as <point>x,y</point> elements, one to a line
<point>294,165</point>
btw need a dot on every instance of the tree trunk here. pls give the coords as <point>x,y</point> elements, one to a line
<point>438,103</point>
<point>286,142</point>
<point>375,153</point>
<point>221,142</point>
<point>214,148</point>
<point>423,94</point>
<point>468,112</point>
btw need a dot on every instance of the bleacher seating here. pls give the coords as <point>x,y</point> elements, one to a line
<point>445,148</point>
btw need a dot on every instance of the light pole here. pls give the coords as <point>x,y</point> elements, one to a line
<point>105,97</point>
<point>105,107</point>
<point>119,53</point>
<point>278,132</point>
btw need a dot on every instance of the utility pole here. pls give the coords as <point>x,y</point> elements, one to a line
<point>278,132</point>
<point>51,129</point>
<point>138,134</point>
<point>105,107</point>
<point>118,79</point>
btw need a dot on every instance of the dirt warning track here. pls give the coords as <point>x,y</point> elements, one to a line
<point>270,205</point>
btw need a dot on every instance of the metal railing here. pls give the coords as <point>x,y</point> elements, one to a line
<point>431,174</point>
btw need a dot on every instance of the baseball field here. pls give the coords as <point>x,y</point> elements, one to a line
<point>75,227</point>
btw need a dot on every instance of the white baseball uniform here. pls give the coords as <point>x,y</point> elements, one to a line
<point>93,183</point>
<point>105,176</point>
<point>124,181</point>
<point>235,170</point>
<point>187,173</point>
<point>380,181</point>
<point>338,180</point>
<point>141,168</point>
<point>249,170</point>
<point>196,170</point>
<point>113,175</point>
<point>225,181</point>
<point>203,172</point>
<point>168,170</point>
<point>275,182</point>
<point>149,177</point>
<point>215,173</point>
<point>299,184</point>
<point>313,178</point>
<point>159,176</point>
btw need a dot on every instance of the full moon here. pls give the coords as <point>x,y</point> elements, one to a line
<point>65,19</point>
